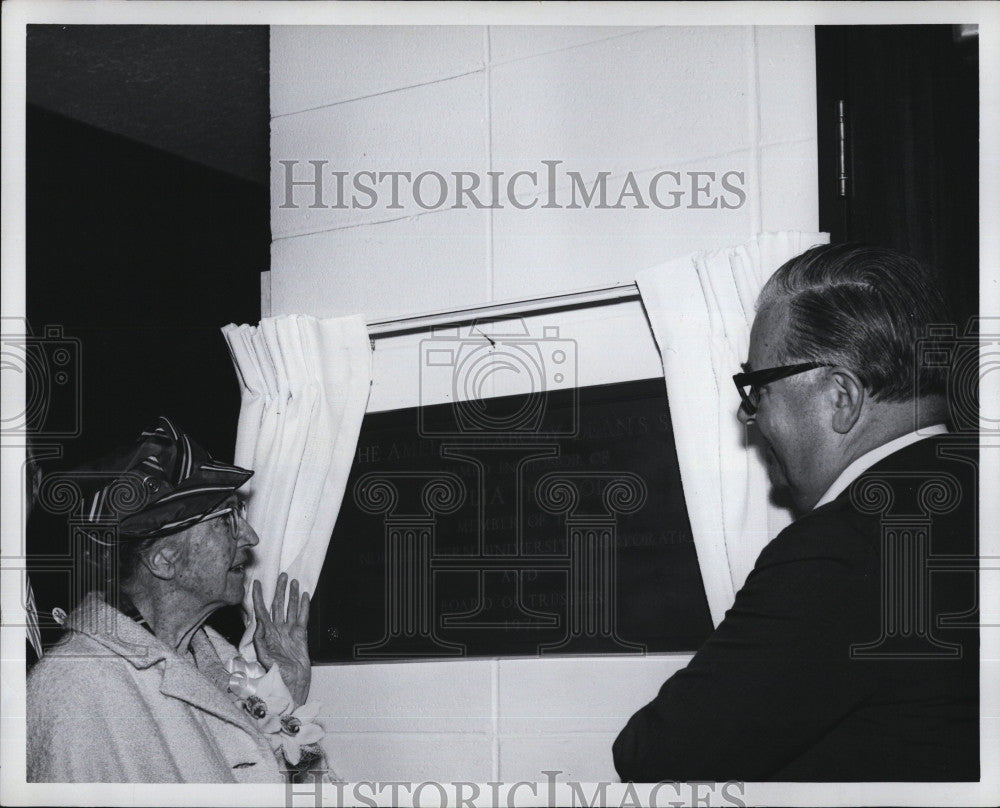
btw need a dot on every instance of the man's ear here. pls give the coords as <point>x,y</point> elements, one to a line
<point>162,560</point>
<point>848,396</point>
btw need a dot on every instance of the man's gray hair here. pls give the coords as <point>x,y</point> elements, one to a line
<point>864,308</point>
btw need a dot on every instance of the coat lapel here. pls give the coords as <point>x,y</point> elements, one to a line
<point>181,679</point>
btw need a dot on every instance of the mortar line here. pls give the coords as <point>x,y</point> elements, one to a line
<point>427,83</point>
<point>753,100</point>
<point>495,710</point>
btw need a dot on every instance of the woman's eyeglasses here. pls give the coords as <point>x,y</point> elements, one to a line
<point>750,382</point>
<point>234,514</point>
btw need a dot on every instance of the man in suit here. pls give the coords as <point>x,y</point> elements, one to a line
<point>846,655</point>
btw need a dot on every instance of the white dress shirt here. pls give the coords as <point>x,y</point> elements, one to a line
<point>869,459</point>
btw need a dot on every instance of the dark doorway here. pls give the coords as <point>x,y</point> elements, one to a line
<point>147,224</point>
<point>910,96</point>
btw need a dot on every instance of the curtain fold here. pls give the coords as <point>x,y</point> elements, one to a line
<point>701,308</point>
<point>304,386</point>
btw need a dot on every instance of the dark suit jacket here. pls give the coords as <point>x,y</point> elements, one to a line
<point>776,692</point>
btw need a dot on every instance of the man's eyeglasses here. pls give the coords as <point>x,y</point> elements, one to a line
<point>749,383</point>
<point>233,514</point>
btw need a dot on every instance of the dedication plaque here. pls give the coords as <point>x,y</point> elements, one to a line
<point>551,523</point>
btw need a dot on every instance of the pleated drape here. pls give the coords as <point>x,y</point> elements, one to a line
<point>701,308</point>
<point>304,386</point>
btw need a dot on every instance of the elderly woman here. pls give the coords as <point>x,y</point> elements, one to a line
<point>139,689</point>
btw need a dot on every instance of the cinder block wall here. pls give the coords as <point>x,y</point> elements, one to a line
<point>503,99</point>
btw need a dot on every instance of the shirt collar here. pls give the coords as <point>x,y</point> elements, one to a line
<point>869,459</point>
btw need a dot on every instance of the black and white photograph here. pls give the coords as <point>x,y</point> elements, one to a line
<point>482,404</point>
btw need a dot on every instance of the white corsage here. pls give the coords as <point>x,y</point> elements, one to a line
<point>268,702</point>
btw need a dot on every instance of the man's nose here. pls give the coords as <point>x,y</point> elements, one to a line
<point>741,414</point>
<point>247,535</point>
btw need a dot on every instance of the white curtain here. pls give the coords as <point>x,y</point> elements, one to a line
<point>304,386</point>
<point>701,308</point>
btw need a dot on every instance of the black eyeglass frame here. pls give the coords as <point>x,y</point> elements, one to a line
<point>756,379</point>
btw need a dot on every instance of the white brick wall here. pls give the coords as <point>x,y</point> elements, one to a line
<point>482,720</point>
<point>503,99</point>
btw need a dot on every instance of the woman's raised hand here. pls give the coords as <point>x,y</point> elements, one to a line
<point>280,637</point>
